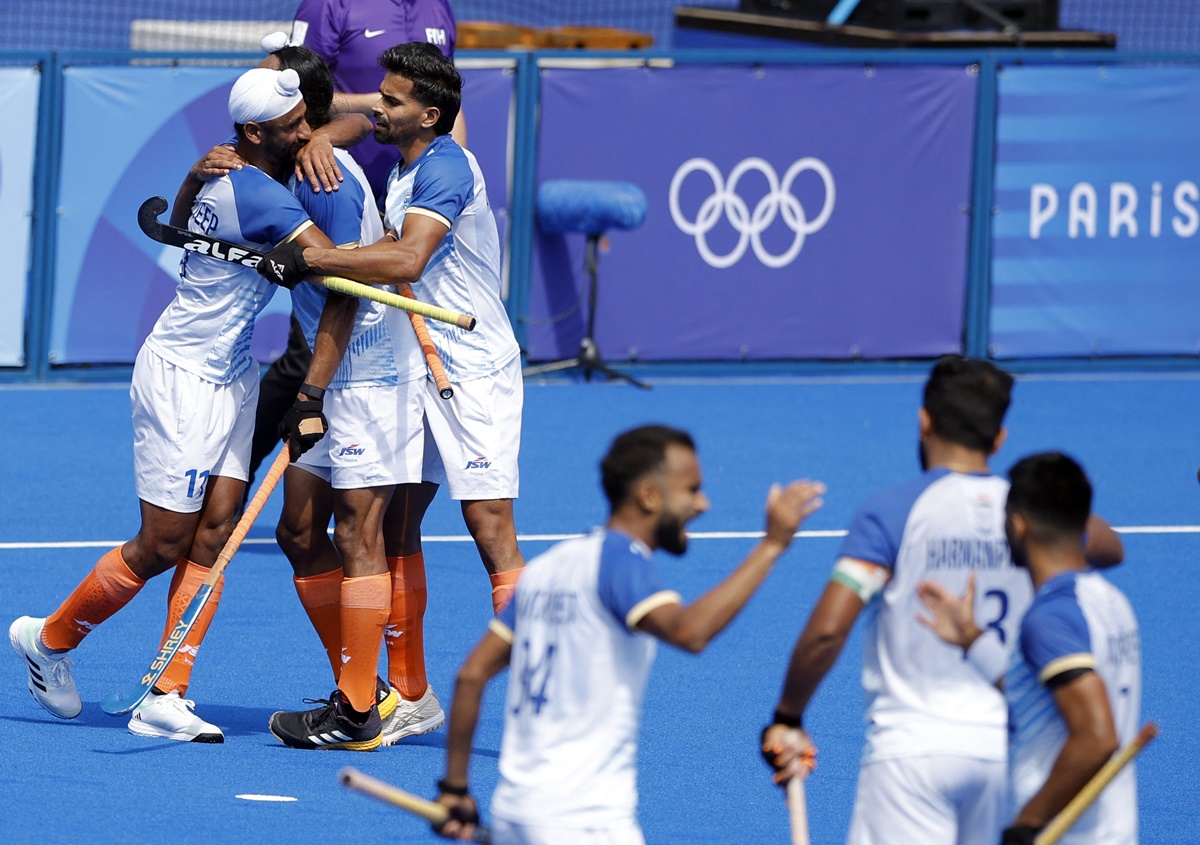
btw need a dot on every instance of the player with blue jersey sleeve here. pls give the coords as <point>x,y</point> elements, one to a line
<point>933,764</point>
<point>193,395</point>
<point>442,240</point>
<point>374,444</point>
<point>579,641</point>
<point>1073,686</point>
<point>350,34</point>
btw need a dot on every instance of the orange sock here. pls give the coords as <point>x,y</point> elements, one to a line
<point>365,603</point>
<point>184,586</point>
<point>321,596</point>
<point>405,634</point>
<point>503,584</point>
<point>103,591</point>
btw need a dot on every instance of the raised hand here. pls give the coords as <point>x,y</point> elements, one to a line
<point>788,507</point>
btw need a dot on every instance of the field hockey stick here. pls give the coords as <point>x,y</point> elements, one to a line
<point>432,360</point>
<point>431,811</point>
<point>1059,825</point>
<point>165,233</point>
<point>797,810</point>
<point>114,703</point>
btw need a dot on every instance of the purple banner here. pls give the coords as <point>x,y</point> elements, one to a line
<point>794,213</point>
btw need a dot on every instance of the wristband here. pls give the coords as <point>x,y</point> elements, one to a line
<point>312,392</point>
<point>785,720</point>
<point>448,788</point>
<point>988,655</point>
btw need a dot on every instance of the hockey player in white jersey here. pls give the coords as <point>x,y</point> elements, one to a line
<point>933,764</point>
<point>193,395</point>
<point>1074,682</point>
<point>579,638</point>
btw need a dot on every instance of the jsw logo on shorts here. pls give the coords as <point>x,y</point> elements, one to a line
<point>479,463</point>
<point>352,449</point>
<point>724,202</point>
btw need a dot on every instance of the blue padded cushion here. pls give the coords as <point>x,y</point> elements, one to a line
<point>589,206</point>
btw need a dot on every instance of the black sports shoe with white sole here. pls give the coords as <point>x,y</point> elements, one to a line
<point>328,726</point>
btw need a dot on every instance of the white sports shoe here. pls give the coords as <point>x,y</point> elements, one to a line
<point>50,678</point>
<point>171,717</point>
<point>413,718</point>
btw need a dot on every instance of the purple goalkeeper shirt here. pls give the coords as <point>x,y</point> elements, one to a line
<point>350,34</point>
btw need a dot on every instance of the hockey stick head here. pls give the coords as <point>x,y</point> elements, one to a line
<point>165,233</point>
<point>114,704</point>
<point>148,217</point>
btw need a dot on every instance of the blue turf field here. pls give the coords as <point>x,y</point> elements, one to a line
<point>67,492</point>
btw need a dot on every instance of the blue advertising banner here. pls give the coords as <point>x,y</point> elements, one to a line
<point>1094,248</point>
<point>794,212</point>
<point>18,102</point>
<point>131,133</point>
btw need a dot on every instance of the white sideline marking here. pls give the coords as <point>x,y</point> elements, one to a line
<point>554,538</point>
<point>251,797</point>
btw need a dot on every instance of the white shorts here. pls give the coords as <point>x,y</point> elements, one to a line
<point>939,800</point>
<point>511,833</point>
<point>187,429</point>
<point>472,440</point>
<point>376,437</point>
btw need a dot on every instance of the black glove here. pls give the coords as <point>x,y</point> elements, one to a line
<point>1023,835</point>
<point>464,812</point>
<point>284,265</point>
<point>303,425</point>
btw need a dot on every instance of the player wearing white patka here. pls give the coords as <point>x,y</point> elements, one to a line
<point>375,436</point>
<point>575,638</point>
<point>1078,622</point>
<point>196,360</point>
<point>193,401</point>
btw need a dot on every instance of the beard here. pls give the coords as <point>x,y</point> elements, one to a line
<point>669,535</point>
<point>381,135</point>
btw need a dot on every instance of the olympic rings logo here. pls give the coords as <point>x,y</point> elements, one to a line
<point>725,202</point>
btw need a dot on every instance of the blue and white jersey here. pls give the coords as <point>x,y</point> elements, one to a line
<point>1078,620</point>
<point>577,674</point>
<point>209,324</point>
<point>463,274</point>
<point>923,698</point>
<point>383,348</point>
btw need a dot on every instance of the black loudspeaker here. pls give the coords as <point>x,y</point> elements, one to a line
<point>919,15</point>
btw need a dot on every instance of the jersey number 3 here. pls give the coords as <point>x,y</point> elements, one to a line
<point>1002,599</point>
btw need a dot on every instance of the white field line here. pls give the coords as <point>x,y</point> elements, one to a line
<point>553,538</point>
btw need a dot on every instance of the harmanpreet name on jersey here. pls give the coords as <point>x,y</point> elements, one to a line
<point>966,553</point>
